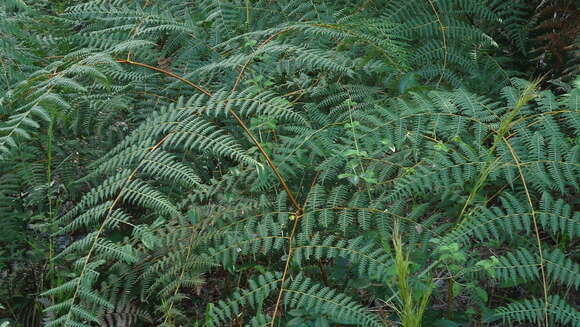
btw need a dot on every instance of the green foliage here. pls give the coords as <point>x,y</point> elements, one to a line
<point>294,163</point>
<point>411,310</point>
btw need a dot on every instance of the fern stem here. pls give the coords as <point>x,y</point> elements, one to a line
<point>102,228</point>
<point>168,73</point>
<point>504,127</point>
<point>270,162</point>
<point>181,274</point>
<point>354,138</point>
<point>49,198</point>
<point>290,252</point>
<point>248,13</point>
<point>450,298</point>
<point>323,273</point>
<point>286,268</point>
<point>442,28</point>
<point>536,231</point>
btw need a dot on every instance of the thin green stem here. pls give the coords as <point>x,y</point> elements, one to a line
<point>50,134</point>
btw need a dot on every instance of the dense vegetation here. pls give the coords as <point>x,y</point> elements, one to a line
<point>289,163</point>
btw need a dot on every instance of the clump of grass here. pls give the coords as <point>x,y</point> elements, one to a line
<point>413,301</point>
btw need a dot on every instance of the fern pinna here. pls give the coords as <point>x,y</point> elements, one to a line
<point>285,145</point>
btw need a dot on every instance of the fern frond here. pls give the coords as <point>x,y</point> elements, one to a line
<point>532,311</point>
<point>304,293</point>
